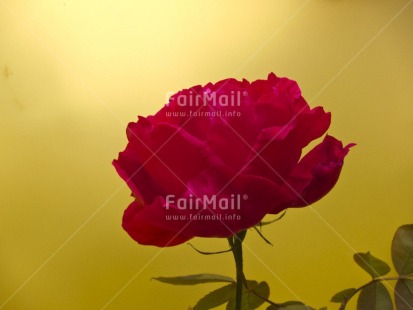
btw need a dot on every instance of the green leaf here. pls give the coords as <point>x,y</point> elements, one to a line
<point>208,253</point>
<point>343,295</point>
<point>250,300</point>
<point>195,279</point>
<point>402,250</point>
<point>272,221</point>
<point>374,297</point>
<point>403,293</point>
<point>216,298</point>
<point>290,305</point>
<point>374,266</point>
<point>262,236</point>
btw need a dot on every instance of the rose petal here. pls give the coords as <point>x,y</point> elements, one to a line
<point>250,197</point>
<point>317,172</point>
<point>231,143</point>
<point>248,200</point>
<point>278,149</point>
<point>275,154</point>
<point>184,110</point>
<point>168,155</point>
<point>146,225</point>
<point>136,177</point>
<point>310,125</point>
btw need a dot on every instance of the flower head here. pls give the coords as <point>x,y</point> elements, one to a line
<point>217,158</point>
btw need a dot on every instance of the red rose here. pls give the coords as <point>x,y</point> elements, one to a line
<point>218,158</point>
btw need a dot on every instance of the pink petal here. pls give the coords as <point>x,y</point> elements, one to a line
<point>317,172</point>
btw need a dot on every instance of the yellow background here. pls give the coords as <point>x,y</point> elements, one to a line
<point>74,73</point>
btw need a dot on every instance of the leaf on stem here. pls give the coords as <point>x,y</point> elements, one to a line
<point>209,253</point>
<point>372,265</point>
<point>290,305</point>
<point>272,221</point>
<point>403,294</point>
<point>374,297</point>
<point>252,297</point>
<point>262,236</point>
<point>343,295</point>
<point>402,250</point>
<point>195,279</point>
<point>216,298</point>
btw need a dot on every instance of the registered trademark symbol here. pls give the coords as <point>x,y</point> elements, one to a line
<point>245,196</point>
<point>245,93</point>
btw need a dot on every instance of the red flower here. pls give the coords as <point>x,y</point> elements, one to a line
<point>218,158</point>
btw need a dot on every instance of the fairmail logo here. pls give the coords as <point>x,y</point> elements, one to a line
<point>232,202</point>
<point>208,98</point>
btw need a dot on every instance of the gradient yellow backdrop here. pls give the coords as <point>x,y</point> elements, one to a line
<point>74,73</point>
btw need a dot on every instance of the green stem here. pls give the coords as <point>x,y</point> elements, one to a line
<point>236,245</point>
